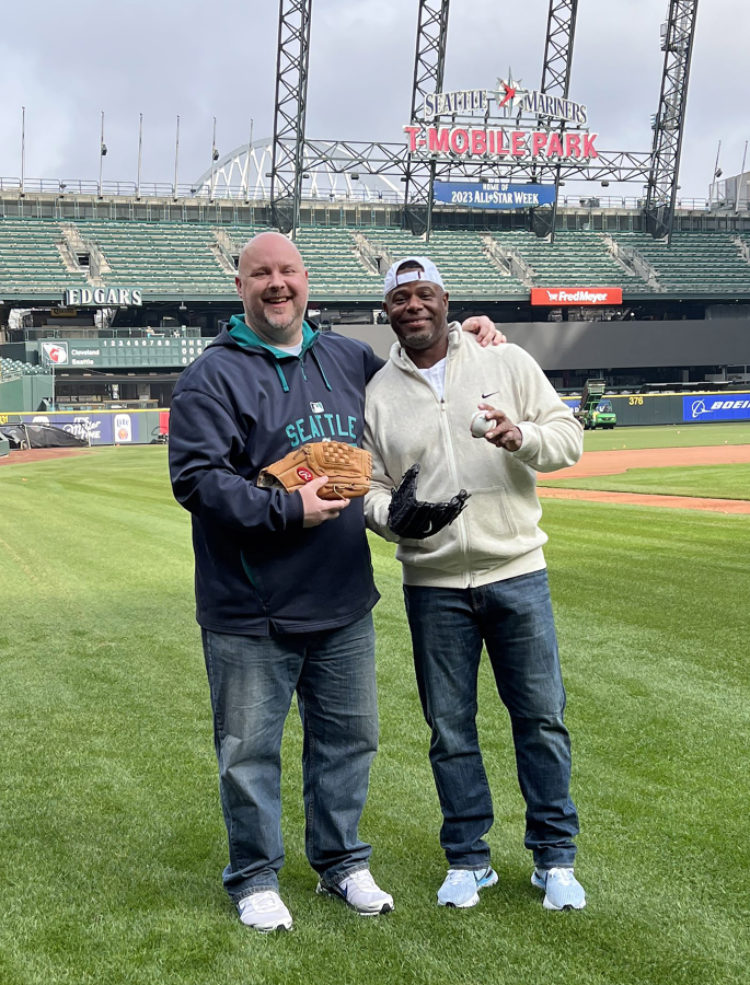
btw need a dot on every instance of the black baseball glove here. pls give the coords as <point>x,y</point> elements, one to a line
<point>407,517</point>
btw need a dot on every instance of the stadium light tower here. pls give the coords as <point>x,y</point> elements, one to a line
<point>558,60</point>
<point>429,66</point>
<point>23,147</point>
<point>677,43</point>
<point>102,155</point>
<point>293,157</point>
<point>289,117</point>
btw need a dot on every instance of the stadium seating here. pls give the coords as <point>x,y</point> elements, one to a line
<point>185,259</point>
<point>336,265</point>
<point>169,257</point>
<point>12,368</point>
<point>30,258</point>
<point>469,272</point>
<point>574,258</point>
<point>694,263</point>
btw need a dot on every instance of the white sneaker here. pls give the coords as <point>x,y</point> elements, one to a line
<point>461,886</point>
<point>265,912</point>
<point>360,891</point>
<point>562,891</point>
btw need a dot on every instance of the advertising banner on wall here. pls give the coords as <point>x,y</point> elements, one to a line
<point>559,296</point>
<point>505,196</point>
<point>715,407</point>
<point>97,429</point>
<point>123,426</point>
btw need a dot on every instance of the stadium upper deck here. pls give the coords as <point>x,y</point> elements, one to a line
<point>177,254</point>
<point>158,271</point>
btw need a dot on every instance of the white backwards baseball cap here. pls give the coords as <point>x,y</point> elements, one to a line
<point>395,277</point>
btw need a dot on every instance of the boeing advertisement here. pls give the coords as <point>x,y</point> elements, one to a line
<point>712,407</point>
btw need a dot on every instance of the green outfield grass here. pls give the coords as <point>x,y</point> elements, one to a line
<point>673,436</point>
<point>112,836</point>
<point>713,482</point>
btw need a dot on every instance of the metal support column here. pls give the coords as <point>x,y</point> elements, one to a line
<point>289,119</point>
<point>558,58</point>
<point>677,43</point>
<point>429,65</point>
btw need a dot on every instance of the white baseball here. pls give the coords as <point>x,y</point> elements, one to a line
<point>480,425</point>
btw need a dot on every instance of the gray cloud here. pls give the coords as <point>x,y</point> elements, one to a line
<point>204,61</point>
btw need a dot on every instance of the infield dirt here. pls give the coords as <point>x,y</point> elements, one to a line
<point>595,463</point>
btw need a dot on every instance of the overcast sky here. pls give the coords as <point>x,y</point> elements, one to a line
<point>68,62</point>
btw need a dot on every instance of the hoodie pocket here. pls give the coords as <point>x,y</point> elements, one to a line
<point>493,517</point>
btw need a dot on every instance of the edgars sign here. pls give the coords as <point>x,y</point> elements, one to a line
<point>82,297</point>
<point>527,139</point>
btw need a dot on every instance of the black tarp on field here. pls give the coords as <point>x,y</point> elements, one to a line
<point>40,436</point>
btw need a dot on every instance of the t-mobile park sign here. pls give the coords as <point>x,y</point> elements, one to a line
<point>522,137</point>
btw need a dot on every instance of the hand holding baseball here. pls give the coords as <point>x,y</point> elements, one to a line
<point>501,432</point>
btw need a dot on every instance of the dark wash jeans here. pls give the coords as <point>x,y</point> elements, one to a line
<point>513,618</point>
<point>252,680</point>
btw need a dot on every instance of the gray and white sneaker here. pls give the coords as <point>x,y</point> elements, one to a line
<point>264,911</point>
<point>562,891</point>
<point>461,886</point>
<point>360,891</point>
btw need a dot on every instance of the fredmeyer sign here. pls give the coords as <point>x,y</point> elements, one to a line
<point>524,140</point>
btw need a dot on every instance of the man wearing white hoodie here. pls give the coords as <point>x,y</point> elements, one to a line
<point>481,580</point>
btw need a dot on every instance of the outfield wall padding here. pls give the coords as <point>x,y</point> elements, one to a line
<point>649,409</point>
<point>142,427</point>
<point>103,427</point>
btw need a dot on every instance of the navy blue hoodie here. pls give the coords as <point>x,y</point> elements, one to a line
<point>239,407</point>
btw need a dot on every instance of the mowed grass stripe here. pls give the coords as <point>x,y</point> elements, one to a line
<point>669,436</point>
<point>709,482</point>
<point>111,827</point>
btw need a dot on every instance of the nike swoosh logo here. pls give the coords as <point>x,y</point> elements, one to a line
<point>485,395</point>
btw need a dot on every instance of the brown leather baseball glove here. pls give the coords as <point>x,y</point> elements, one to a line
<point>348,468</point>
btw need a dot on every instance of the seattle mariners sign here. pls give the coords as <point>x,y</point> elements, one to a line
<point>530,138</point>
<point>510,97</point>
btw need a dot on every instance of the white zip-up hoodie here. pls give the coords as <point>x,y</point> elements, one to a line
<point>497,535</point>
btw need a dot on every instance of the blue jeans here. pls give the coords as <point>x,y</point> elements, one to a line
<point>252,680</point>
<point>514,620</point>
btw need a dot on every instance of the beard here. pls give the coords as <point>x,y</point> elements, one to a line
<point>282,327</point>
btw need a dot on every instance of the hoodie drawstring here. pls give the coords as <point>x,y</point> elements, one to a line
<point>314,355</point>
<point>280,373</point>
